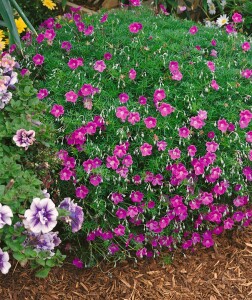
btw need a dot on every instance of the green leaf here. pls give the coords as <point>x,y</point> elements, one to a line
<point>19,256</point>
<point>43,273</point>
<point>50,263</point>
<point>40,261</point>
<point>7,15</point>
<point>2,188</point>
<point>23,16</point>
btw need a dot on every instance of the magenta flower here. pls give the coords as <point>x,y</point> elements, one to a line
<point>146,149</point>
<point>121,213</point>
<point>159,95</point>
<point>100,66</point>
<point>142,100</point>
<point>237,18</point>
<point>66,174</point>
<point>165,109</point>
<point>116,198</point>
<point>95,180</point>
<point>77,263</point>
<point>173,66</point>
<point>89,30</point>
<point>123,97</point>
<point>150,122</point>
<point>191,150</point>
<point>211,146</point>
<point>40,38</point>
<point>57,110</point>
<point>177,75</point>
<point>247,73</point>
<point>246,46</point>
<point>86,90</point>
<point>214,85</point>
<point>222,125</point>
<point>112,162</point>
<point>50,34</point>
<point>119,151</point>
<point>42,94</point>
<point>132,211</point>
<point>174,153</point>
<point>184,132</point>
<point>135,27</point>
<point>104,18</point>
<point>66,45</point>
<point>213,43</point>
<point>81,192</point>
<point>38,59</point>
<point>107,56</point>
<point>161,145</point>
<point>135,2</point>
<point>249,137</point>
<point>24,138</point>
<point>193,30</point>
<point>197,122</point>
<point>136,196</point>
<point>122,113</point>
<point>71,96</point>
<point>80,26</point>
<point>132,74</point>
<point>119,230</point>
<point>69,162</point>
<point>133,118</point>
<point>88,165</point>
<point>127,160</point>
<point>73,63</point>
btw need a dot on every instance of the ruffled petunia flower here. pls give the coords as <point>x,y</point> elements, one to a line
<point>5,215</point>
<point>42,215</point>
<point>4,262</point>
<point>24,138</point>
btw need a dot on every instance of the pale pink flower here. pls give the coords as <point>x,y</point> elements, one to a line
<point>100,66</point>
<point>177,75</point>
<point>213,53</point>
<point>211,66</point>
<point>202,114</point>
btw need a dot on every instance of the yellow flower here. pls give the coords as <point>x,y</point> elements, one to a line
<point>20,25</point>
<point>1,34</point>
<point>2,45</point>
<point>49,4</point>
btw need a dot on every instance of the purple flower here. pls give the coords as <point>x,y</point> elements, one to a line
<point>113,248</point>
<point>24,138</point>
<point>4,262</point>
<point>42,215</point>
<point>75,217</point>
<point>5,215</point>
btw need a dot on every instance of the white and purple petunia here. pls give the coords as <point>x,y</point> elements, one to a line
<point>24,138</point>
<point>75,217</point>
<point>5,215</point>
<point>42,215</point>
<point>4,262</point>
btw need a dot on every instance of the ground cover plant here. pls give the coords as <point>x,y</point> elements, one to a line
<point>152,123</point>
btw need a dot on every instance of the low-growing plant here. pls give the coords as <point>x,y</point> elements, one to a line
<point>153,124</point>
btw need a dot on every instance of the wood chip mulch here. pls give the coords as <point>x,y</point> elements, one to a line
<point>223,272</point>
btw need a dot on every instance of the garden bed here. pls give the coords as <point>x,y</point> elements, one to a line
<point>221,273</point>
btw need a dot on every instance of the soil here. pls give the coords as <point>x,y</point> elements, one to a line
<point>223,272</point>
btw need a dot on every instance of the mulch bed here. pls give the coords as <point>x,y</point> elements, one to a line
<point>223,272</point>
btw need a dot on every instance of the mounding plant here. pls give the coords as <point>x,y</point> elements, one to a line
<point>152,118</point>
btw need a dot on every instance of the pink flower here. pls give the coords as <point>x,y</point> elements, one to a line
<point>193,30</point>
<point>132,74</point>
<point>246,46</point>
<point>81,192</point>
<point>40,38</point>
<point>212,146</point>
<point>88,165</point>
<point>91,128</point>
<point>50,34</point>
<point>132,211</point>
<point>104,18</point>
<point>177,75</point>
<point>136,196</point>
<point>135,2</point>
<point>95,180</point>
<point>161,145</point>
<point>198,168</point>
<point>213,43</point>
<point>191,150</point>
<point>137,179</point>
<point>112,162</point>
<point>77,263</point>
<point>86,90</point>
<point>119,230</point>
<point>173,66</point>
<point>121,213</point>
<point>127,160</point>
<point>174,153</point>
<point>157,180</point>
<point>133,118</point>
<point>165,109</point>
<point>237,18</point>
<point>214,85</point>
<point>116,198</point>
<point>150,122</point>
<point>142,100</point>
<point>184,132</point>
<point>249,137</point>
<point>163,9</point>
<point>202,114</point>
<point>66,45</point>
<point>123,97</point>
<point>122,113</point>
<point>66,174</point>
<point>159,95</point>
<point>38,59</point>
<point>57,110</point>
<point>213,53</point>
<point>89,30</point>
<point>146,149</point>
<point>222,125</point>
<point>135,27</point>
<point>250,155</point>
<point>74,63</point>
<point>220,188</point>
<point>42,94</point>
<point>247,73</point>
<point>71,96</point>
<point>230,29</point>
<point>107,56</point>
<point>197,122</point>
<point>119,151</point>
<point>211,66</point>
<point>99,66</point>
